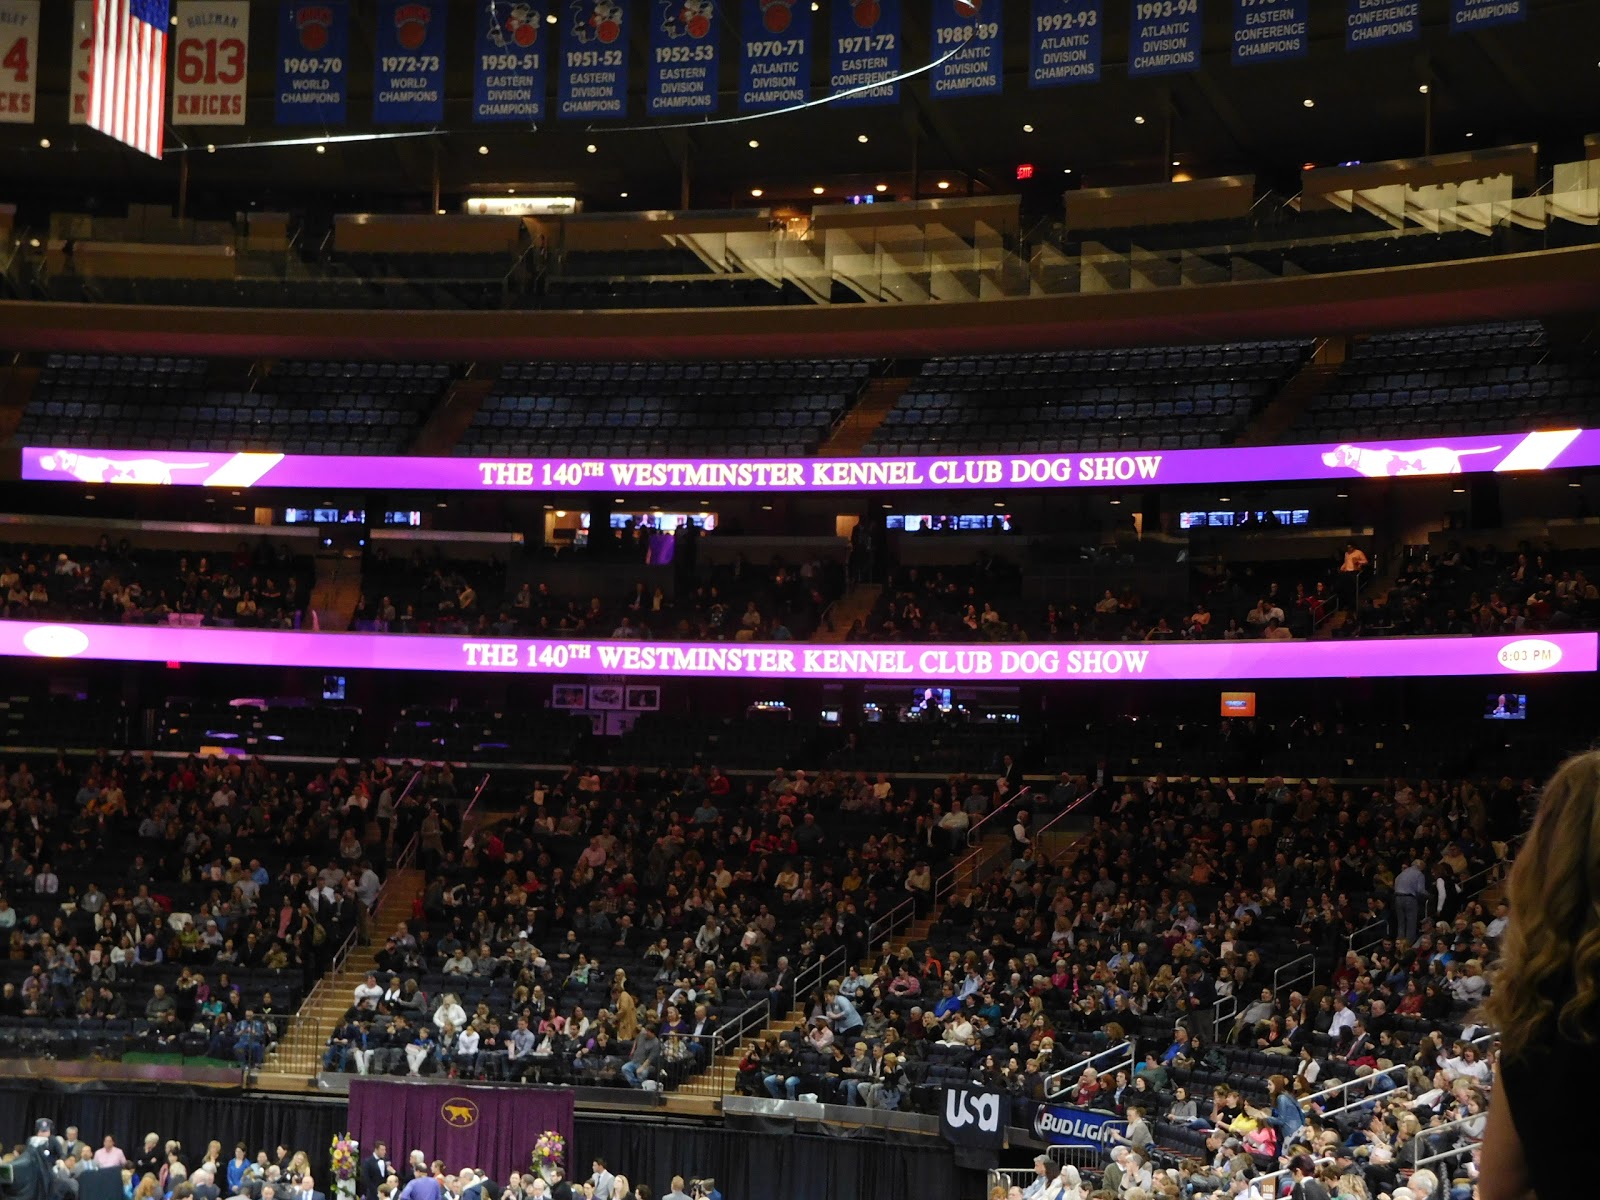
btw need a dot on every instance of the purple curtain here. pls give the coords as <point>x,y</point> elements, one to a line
<point>488,1129</point>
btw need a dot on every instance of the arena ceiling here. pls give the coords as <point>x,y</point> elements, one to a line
<point>1534,81</point>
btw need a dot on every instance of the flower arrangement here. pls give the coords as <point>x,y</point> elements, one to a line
<point>549,1152</point>
<point>344,1157</point>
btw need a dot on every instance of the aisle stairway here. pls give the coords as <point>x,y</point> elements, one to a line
<point>855,605</point>
<point>861,422</point>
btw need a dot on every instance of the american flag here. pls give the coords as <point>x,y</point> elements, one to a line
<point>128,75</point>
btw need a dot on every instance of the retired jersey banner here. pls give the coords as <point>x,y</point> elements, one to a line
<point>210,60</point>
<point>313,56</point>
<point>1064,44</point>
<point>594,60</point>
<point>1270,30</point>
<point>1467,15</point>
<point>683,58</point>
<point>775,65</point>
<point>971,28</point>
<point>1382,23</point>
<point>1165,37</point>
<point>408,82</point>
<point>511,71</point>
<point>19,61</point>
<point>865,51</point>
<point>82,50</point>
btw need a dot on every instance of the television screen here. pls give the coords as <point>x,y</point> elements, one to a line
<point>333,687</point>
<point>1505,706</point>
<point>1238,704</point>
<point>930,699</point>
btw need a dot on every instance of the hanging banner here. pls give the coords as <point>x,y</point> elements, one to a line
<point>683,58</point>
<point>1467,15</point>
<point>1270,30</point>
<point>1165,37</point>
<point>82,46</point>
<point>594,61</point>
<point>1063,1125</point>
<point>210,57</point>
<point>975,1118</point>
<point>1382,23</point>
<point>1064,46</point>
<point>313,51</point>
<point>408,79</point>
<point>775,67</point>
<point>972,29</point>
<point>512,67</point>
<point>866,49</point>
<point>19,60</point>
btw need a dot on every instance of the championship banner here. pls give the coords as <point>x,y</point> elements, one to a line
<point>972,27</point>
<point>19,61</point>
<point>775,64</point>
<point>511,69</point>
<point>866,50</point>
<point>683,58</point>
<point>593,82</point>
<point>210,62</point>
<point>408,77</point>
<point>1164,37</point>
<point>975,1118</point>
<point>1548,449</point>
<point>1064,46</point>
<point>82,52</point>
<point>1222,661</point>
<point>313,53</point>
<point>1467,15</point>
<point>1270,30</point>
<point>1382,23</point>
<point>1087,1129</point>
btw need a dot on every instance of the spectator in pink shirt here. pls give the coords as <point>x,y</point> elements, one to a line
<point>110,1155</point>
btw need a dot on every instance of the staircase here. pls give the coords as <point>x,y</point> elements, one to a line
<point>450,419</point>
<point>1304,386</point>
<point>299,1055</point>
<point>855,605</point>
<point>335,591</point>
<point>862,421</point>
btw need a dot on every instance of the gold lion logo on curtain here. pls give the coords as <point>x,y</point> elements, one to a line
<point>459,1112</point>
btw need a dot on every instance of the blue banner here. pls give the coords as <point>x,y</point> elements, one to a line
<point>512,64</point>
<point>1382,23</point>
<point>1467,15</point>
<point>408,79</point>
<point>683,57</point>
<point>866,49</point>
<point>1060,1125</point>
<point>313,55</point>
<point>593,81</point>
<point>1270,30</point>
<point>775,66</point>
<point>1064,46</point>
<point>971,28</point>
<point>1165,37</point>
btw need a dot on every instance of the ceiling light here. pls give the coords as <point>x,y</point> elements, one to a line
<point>1027,129</point>
<point>944,185</point>
<point>211,148</point>
<point>816,191</point>
<point>1469,133</point>
<point>44,143</point>
<point>1459,491</point>
<point>862,138</point>
<point>1115,501</point>
<point>592,148</point>
<point>321,149</point>
<point>1308,166</point>
<point>33,243</point>
<point>888,506</point>
<point>1224,499</point>
<point>705,504</point>
<point>766,508</point>
<point>1423,89</point>
<point>1341,495</point>
<point>882,187</point>
<point>561,512</point>
<point>483,149</point>
<point>1575,485</point>
<point>1309,102</point>
<point>549,507</point>
<point>756,192</point>
<point>441,212</point>
<point>1138,120</point>
<point>551,19</point>
<point>620,500</point>
<point>754,145</point>
<point>624,195</point>
<point>999,503</point>
<point>1066,170</point>
<point>1176,163</point>
<point>815,6</point>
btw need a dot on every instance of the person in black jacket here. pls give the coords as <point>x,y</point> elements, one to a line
<point>374,1171</point>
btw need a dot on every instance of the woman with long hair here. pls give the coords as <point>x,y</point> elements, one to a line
<point>1545,999</point>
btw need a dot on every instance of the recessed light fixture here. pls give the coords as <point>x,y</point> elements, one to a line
<point>1575,484</point>
<point>592,148</point>
<point>1066,170</point>
<point>561,512</point>
<point>756,192</point>
<point>44,143</point>
<point>882,187</point>
<point>754,145</point>
<point>1459,491</point>
<point>887,506</point>
<point>442,504</point>
<point>620,500</point>
<point>766,508</point>
<point>862,138</point>
<point>1027,129</point>
<point>212,149</point>
<point>1308,166</point>
<point>1114,500</point>
<point>1469,133</point>
<point>1224,499</point>
<point>944,185</point>
<point>441,212</point>
<point>549,507</point>
<point>1424,89</point>
<point>1138,120</point>
<point>999,503</point>
<point>321,149</point>
<point>1176,163</point>
<point>705,504</point>
<point>816,191</point>
<point>483,149</point>
<point>1309,102</point>
<point>624,195</point>
<point>551,18</point>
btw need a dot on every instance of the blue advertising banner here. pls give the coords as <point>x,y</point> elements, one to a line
<point>866,49</point>
<point>1270,30</point>
<point>683,58</point>
<point>1467,15</point>
<point>408,80</point>
<point>1165,37</point>
<point>510,74</point>
<point>593,80</point>
<point>775,66</point>
<point>1059,1125</point>
<point>1064,46</point>
<point>313,53</point>
<point>971,27</point>
<point>1382,23</point>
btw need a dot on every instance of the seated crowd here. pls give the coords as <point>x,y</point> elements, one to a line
<point>182,906</point>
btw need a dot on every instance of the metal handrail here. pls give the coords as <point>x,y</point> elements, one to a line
<point>1218,1016</point>
<point>1071,808</point>
<point>1310,973</point>
<point>732,1034</point>
<point>972,830</point>
<point>1381,923</point>
<point>1347,1084</point>
<point>1371,1098</point>
<point>1051,1091</point>
<point>1417,1160</point>
<point>1281,1172</point>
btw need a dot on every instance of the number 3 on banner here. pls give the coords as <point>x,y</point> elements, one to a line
<point>16,60</point>
<point>198,61</point>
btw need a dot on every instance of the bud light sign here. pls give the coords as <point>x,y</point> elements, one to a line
<point>1059,1126</point>
<point>974,1118</point>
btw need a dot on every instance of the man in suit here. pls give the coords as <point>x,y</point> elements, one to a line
<point>560,1189</point>
<point>306,1189</point>
<point>374,1171</point>
<point>602,1180</point>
